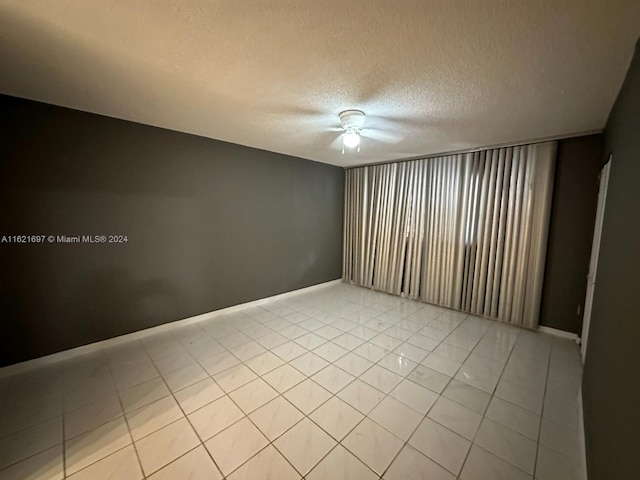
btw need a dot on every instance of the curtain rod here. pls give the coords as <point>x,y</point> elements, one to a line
<point>480,149</point>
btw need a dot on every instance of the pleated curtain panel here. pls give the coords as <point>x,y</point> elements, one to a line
<point>465,231</point>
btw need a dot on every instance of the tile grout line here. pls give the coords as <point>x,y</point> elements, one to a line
<point>426,415</point>
<point>391,351</point>
<point>126,420</point>
<point>307,377</point>
<point>185,416</point>
<point>473,441</point>
<point>544,396</point>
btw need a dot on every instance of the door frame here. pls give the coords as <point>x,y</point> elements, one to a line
<point>595,252</point>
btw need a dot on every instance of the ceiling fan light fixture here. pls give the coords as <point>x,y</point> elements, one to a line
<point>351,139</point>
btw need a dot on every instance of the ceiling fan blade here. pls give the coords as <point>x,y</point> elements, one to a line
<point>384,137</point>
<point>337,143</point>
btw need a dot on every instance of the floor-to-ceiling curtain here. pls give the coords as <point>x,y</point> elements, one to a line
<point>466,231</point>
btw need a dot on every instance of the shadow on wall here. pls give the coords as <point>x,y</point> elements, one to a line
<point>113,302</point>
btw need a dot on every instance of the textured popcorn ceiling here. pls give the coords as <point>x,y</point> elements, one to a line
<point>441,75</point>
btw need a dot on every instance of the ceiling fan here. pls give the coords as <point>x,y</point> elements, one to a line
<point>353,128</point>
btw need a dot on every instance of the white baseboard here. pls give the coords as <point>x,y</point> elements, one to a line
<point>559,333</point>
<point>54,358</point>
<point>582,439</point>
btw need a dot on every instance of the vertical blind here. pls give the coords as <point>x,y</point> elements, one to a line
<point>465,231</point>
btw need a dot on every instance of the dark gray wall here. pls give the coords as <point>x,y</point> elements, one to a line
<point>209,225</point>
<point>573,211</point>
<point>611,382</point>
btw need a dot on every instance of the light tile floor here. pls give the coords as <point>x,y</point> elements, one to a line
<point>339,383</point>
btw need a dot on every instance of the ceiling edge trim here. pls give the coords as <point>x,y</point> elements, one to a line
<point>480,149</point>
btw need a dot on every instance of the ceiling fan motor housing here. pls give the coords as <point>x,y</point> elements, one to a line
<point>352,119</point>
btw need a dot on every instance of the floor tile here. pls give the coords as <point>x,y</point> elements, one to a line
<point>272,340</point>
<point>46,465</point>
<point>521,396</point>
<point>194,465</point>
<point>452,352</point>
<point>253,395</point>
<point>264,363</point>
<point>162,447</point>
<point>411,352</point>
<point>415,396</point>
<point>235,445</point>
<point>283,378</point>
<point>381,378</point>
<point>507,444</point>
<point>90,447</point>
<point>276,417</point>
<point>336,417</point>
<point>441,445</point>
<point>397,364</point>
<point>310,341</point>
<point>482,465</point>
<point>330,351</point>
<point>455,417</point>
<point>134,375</point>
<point>121,464</point>
<point>218,362</point>
<point>363,332</point>
<point>310,324</point>
<point>174,361</point>
<point>333,378</point>
<point>215,417</point>
<point>309,363</point>
<point>91,416</point>
<point>377,324</point>
<point>198,395</point>
<point>143,394</point>
<point>328,332</point>
<point>412,465</point>
<point>288,351</point>
<point>153,417</point>
<point>485,364</point>
<point>31,411</point>
<point>468,396</point>
<point>565,414</point>
<point>559,438</point>
<point>293,331</point>
<point>235,377</point>
<point>248,350</point>
<point>396,417</point>
<point>304,445</point>
<point>361,396</point>
<point>373,445</point>
<point>183,377</point>
<point>516,418</point>
<point>340,464</point>
<point>552,465</point>
<point>387,342</point>
<point>350,342</point>
<point>307,396</point>
<point>429,378</point>
<point>269,464</point>
<point>477,378</point>
<point>371,352</point>
<point>424,342</point>
<point>441,364</point>
<point>398,332</point>
<point>354,364</point>
<point>433,333</point>
<point>234,340</point>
